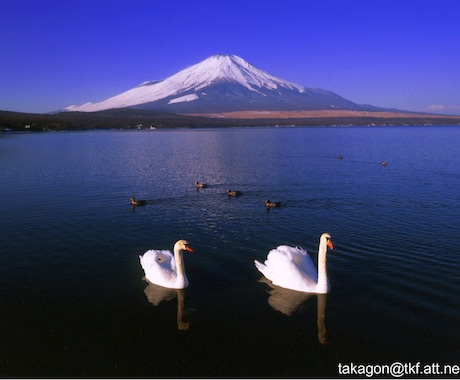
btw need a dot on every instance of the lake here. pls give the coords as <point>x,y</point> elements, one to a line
<point>72,296</point>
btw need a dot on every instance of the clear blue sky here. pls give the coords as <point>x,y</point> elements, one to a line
<point>395,53</point>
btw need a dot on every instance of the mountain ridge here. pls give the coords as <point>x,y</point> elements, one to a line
<point>223,83</point>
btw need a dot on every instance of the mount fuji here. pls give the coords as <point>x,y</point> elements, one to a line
<point>223,83</point>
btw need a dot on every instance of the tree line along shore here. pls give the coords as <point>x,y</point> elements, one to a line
<point>139,119</point>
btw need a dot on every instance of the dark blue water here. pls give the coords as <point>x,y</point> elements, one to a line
<point>73,301</point>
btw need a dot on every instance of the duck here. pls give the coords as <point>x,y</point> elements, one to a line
<point>384,163</point>
<point>199,185</point>
<point>269,203</point>
<point>233,193</point>
<point>292,268</point>
<point>164,268</point>
<point>140,202</point>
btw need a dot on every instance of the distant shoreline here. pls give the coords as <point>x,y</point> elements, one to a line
<point>322,114</point>
<point>133,119</point>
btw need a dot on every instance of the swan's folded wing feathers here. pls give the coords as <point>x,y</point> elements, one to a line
<point>289,267</point>
<point>159,266</point>
<point>279,264</point>
<point>152,258</point>
<point>165,258</point>
<point>294,255</point>
<point>262,268</point>
<point>305,264</point>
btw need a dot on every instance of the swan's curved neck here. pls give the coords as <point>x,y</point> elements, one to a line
<point>322,286</point>
<point>181,279</point>
<point>179,262</point>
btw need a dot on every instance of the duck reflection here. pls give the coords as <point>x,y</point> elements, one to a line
<point>156,294</point>
<point>288,301</point>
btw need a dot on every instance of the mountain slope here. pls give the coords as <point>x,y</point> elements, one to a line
<point>222,83</point>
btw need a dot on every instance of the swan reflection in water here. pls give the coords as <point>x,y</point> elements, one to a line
<point>156,294</point>
<point>288,301</point>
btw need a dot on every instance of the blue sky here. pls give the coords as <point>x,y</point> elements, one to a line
<point>396,53</point>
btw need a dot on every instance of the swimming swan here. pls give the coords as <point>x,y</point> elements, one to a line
<point>292,268</point>
<point>163,268</point>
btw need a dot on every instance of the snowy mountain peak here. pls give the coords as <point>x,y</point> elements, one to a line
<point>220,83</point>
<point>215,69</point>
<point>235,69</point>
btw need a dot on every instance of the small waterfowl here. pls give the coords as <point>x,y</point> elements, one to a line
<point>384,163</point>
<point>199,185</point>
<point>140,202</point>
<point>269,203</point>
<point>233,193</point>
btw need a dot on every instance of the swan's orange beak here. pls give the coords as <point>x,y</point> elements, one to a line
<point>188,248</point>
<point>329,244</point>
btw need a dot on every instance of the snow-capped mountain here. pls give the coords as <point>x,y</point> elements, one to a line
<point>222,83</point>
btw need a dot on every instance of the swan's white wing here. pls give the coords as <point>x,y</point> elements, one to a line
<point>289,267</point>
<point>304,263</point>
<point>294,259</point>
<point>159,266</point>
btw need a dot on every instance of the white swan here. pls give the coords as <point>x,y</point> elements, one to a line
<point>163,268</point>
<point>292,268</point>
